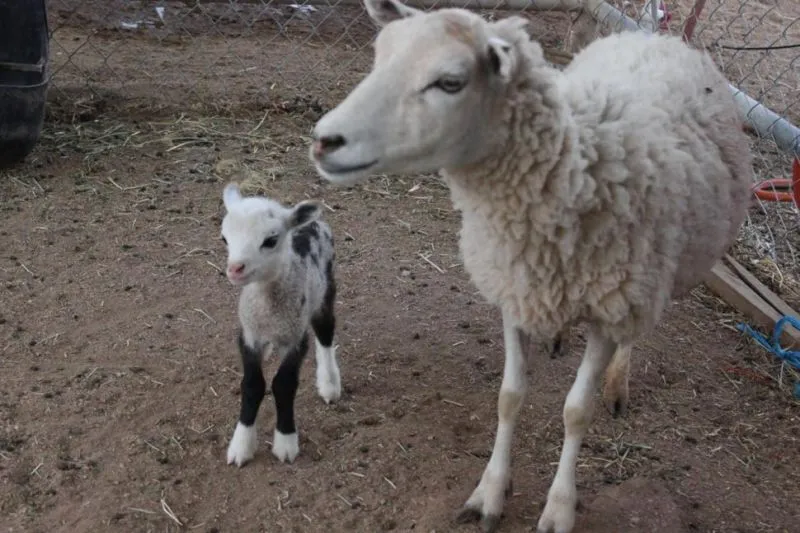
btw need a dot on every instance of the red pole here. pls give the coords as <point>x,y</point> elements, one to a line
<point>691,21</point>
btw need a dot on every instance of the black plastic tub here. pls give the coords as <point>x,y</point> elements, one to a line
<point>24,77</point>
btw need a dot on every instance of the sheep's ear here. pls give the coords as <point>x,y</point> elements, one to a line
<point>231,195</point>
<point>502,58</point>
<point>385,11</point>
<point>508,26</point>
<point>303,213</point>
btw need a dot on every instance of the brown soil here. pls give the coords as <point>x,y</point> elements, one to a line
<point>120,376</point>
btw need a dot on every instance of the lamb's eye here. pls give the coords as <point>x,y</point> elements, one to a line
<point>224,239</point>
<point>450,84</point>
<point>270,242</point>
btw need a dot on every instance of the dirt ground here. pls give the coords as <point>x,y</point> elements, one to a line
<point>120,376</point>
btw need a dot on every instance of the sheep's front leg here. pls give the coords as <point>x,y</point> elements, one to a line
<point>487,500</point>
<point>285,444</point>
<point>559,512</point>
<point>242,447</point>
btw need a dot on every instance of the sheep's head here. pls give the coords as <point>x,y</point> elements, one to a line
<point>436,89</point>
<point>257,232</point>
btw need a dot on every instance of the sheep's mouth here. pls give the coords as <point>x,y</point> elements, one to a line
<point>240,279</point>
<point>340,170</point>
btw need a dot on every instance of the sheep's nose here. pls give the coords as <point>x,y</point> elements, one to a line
<point>327,144</point>
<point>236,268</point>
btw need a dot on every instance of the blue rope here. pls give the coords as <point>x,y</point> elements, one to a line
<point>789,356</point>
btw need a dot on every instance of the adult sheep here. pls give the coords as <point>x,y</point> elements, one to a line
<point>593,195</point>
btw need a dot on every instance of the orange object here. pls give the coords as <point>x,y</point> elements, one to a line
<point>781,189</point>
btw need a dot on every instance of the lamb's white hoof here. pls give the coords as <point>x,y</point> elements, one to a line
<point>329,385</point>
<point>559,513</point>
<point>486,502</point>
<point>243,445</point>
<point>285,447</point>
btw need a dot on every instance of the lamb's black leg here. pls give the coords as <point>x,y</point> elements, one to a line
<point>323,322</point>
<point>243,444</point>
<point>285,444</point>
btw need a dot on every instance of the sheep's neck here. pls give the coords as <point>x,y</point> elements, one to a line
<point>533,147</point>
<point>522,206</point>
<point>279,278</point>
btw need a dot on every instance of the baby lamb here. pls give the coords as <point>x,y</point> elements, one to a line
<point>592,195</point>
<point>283,260</point>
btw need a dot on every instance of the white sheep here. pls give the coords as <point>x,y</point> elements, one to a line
<point>593,195</point>
<point>283,260</point>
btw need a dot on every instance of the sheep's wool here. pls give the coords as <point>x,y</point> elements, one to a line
<point>621,182</point>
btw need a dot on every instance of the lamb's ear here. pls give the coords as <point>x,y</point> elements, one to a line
<point>231,195</point>
<point>502,58</point>
<point>303,213</point>
<point>385,11</point>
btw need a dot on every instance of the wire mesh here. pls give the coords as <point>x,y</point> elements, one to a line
<point>144,58</point>
<point>757,44</point>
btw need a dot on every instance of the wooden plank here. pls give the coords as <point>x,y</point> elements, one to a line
<point>730,287</point>
<point>766,293</point>
<point>790,335</point>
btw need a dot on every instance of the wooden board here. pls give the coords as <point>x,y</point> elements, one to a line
<point>730,287</point>
<point>766,293</point>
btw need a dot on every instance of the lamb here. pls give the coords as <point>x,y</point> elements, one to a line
<point>283,259</point>
<point>594,195</point>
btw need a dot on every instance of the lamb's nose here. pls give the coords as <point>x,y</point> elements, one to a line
<point>236,268</point>
<point>327,144</point>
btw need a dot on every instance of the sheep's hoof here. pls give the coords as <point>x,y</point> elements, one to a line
<point>559,513</point>
<point>285,446</point>
<point>242,447</point>
<point>474,509</point>
<point>467,515</point>
<point>619,409</point>
<point>556,347</point>
<point>489,523</point>
<point>329,387</point>
<point>616,400</point>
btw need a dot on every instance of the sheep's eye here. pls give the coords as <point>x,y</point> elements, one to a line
<point>450,84</point>
<point>270,242</point>
<point>224,240</point>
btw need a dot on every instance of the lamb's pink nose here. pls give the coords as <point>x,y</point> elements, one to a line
<point>236,268</point>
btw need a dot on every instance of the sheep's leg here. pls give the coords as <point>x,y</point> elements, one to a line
<point>559,512</point>
<point>615,390</point>
<point>285,444</point>
<point>488,498</point>
<point>329,381</point>
<point>557,346</point>
<point>242,447</point>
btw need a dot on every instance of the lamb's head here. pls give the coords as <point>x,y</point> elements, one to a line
<point>438,85</point>
<point>257,232</point>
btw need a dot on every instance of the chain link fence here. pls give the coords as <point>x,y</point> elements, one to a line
<point>139,59</point>
<point>199,49</point>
